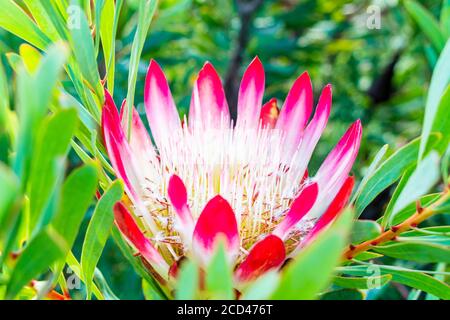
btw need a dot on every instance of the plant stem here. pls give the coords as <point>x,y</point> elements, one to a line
<point>418,217</point>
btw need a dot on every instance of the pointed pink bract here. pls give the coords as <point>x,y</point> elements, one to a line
<point>295,112</point>
<point>161,111</point>
<point>299,208</point>
<point>216,222</point>
<point>333,210</point>
<point>251,94</point>
<point>209,106</point>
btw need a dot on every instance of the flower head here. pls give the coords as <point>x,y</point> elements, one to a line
<point>209,180</point>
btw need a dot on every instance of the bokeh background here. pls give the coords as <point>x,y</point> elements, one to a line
<point>380,73</point>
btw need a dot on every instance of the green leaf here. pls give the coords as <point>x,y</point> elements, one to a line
<point>98,231</point>
<point>75,266</point>
<point>77,195</point>
<point>103,286</point>
<point>410,209</point>
<point>385,219</point>
<point>16,21</point>
<point>439,82</point>
<point>427,23</point>
<point>219,278</point>
<point>407,277</point>
<point>363,256</point>
<point>43,20</point>
<point>147,9</point>
<point>52,146</point>
<point>445,163</point>
<point>263,287</point>
<point>445,18</point>
<point>441,123</point>
<point>343,294</point>
<point>188,281</point>
<point>312,269</point>
<point>364,230</point>
<point>57,238</point>
<point>4,102</point>
<point>387,173</point>
<point>32,261</point>
<point>416,251</point>
<point>420,182</point>
<point>370,171</point>
<point>109,17</point>
<point>32,108</point>
<point>84,51</point>
<point>370,282</point>
<point>9,203</point>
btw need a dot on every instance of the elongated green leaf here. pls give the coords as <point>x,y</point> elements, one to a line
<point>52,146</point>
<point>75,266</point>
<point>103,286</point>
<point>445,18</point>
<point>427,23</point>
<point>369,282</point>
<point>32,108</point>
<point>109,17</point>
<point>54,242</point>
<point>386,219</point>
<point>16,21</point>
<point>10,194</point>
<point>388,172</point>
<point>4,102</point>
<point>310,273</point>
<point>98,231</point>
<point>416,251</point>
<point>343,294</point>
<point>37,9</point>
<point>409,278</point>
<point>370,171</point>
<point>410,209</point>
<point>147,9</point>
<point>421,180</point>
<point>364,230</point>
<point>439,239</point>
<point>77,195</point>
<point>438,85</point>
<point>219,283</point>
<point>263,287</point>
<point>83,49</point>
<point>441,123</point>
<point>44,249</point>
<point>188,281</point>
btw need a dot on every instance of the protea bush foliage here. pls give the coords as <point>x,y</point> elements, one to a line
<point>217,196</point>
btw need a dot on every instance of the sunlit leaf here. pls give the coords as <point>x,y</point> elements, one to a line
<point>416,251</point>
<point>98,231</point>
<point>410,278</point>
<point>54,242</point>
<point>52,145</point>
<point>427,23</point>
<point>15,20</point>
<point>438,85</point>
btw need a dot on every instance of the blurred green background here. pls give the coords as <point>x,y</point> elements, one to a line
<point>378,74</point>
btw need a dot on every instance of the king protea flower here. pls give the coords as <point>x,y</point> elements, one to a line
<point>208,180</point>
